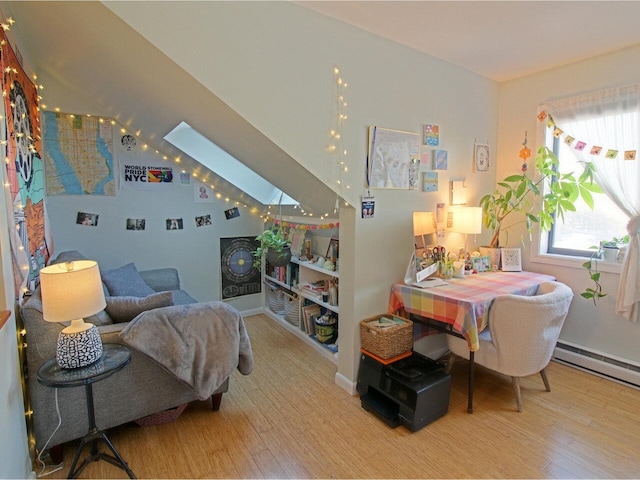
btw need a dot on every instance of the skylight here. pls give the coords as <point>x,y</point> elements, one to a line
<point>200,148</point>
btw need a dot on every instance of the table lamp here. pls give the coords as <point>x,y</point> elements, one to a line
<point>467,220</point>
<point>424,223</point>
<point>70,292</point>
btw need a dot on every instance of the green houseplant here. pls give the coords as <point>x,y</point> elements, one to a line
<point>595,293</point>
<point>520,193</point>
<point>274,246</point>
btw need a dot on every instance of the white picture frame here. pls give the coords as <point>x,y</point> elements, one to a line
<point>511,259</point>
<point>481,158</point>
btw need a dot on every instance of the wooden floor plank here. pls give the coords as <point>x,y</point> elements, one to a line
<point>288,419</point>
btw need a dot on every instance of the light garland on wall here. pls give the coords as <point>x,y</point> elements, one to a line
<point>302,226</point>
<point>336,146</point>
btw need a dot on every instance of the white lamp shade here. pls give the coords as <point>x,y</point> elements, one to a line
<point>467,220</point>
<point>424,223</point>
<point>71,291</point>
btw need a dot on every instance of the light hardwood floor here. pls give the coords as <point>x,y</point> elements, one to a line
<point>289,420</point>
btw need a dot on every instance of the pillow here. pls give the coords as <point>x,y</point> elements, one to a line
<point>126,281</point>
<point>125,308</point>
<point>99,319</point>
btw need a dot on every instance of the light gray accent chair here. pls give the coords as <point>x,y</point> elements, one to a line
<point>141,388</point>
<point>521,336</point>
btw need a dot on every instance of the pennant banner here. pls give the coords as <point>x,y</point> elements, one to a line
<point>580,145</point>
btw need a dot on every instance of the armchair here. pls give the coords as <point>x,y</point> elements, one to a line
<point>521,336</point>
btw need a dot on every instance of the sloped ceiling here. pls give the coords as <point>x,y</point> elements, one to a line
<point>93,53</point>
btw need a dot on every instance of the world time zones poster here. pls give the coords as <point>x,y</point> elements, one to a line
<point>239,276</point>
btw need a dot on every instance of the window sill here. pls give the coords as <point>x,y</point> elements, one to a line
<point>573,262</point>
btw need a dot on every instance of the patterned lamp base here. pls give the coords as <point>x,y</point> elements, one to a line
<point>79,349</point>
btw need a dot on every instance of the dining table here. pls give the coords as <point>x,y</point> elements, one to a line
<point>460,306</point>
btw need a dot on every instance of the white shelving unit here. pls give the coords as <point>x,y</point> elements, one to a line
<point>307,272</point>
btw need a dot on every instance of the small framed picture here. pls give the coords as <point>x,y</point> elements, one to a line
<point>440,159</point>
<point>333,250</point>
<point>481,158</point>
<point>481,264</point>
<point>511,260</point>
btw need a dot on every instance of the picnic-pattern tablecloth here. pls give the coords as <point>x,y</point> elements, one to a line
<point>464,302</point>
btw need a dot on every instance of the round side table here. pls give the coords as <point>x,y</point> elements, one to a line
<point>114,357</point>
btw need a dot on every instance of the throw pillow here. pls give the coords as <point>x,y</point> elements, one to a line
<point>99,319</point>
<point>126,281</point>
<point>125,308</point>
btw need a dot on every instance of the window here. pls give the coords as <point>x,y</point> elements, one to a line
<point>584,228</point>
<point>602,128</point>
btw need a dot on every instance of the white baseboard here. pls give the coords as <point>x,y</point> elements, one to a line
<point>346,384</point>
<point>598,363</point>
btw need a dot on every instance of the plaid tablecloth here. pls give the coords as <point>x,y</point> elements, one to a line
<point>464,302</point>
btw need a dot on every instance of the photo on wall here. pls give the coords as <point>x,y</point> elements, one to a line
<point>87,219</point>
<point>232,213</point>
<point>203,220</point>
<point>174,224</point>
<point>136,223</point>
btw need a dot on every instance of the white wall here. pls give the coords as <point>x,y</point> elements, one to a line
<point>273,63</point>
<point>597,328</point>
<point>195,251</point>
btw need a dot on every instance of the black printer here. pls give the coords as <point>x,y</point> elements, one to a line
<point>413,391</point>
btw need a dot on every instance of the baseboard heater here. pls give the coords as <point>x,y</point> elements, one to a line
<point>598,363</point>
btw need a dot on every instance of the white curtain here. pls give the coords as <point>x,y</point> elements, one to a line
<point>611,119</point>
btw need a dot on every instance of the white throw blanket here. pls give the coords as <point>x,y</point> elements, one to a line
<point>199,343</point>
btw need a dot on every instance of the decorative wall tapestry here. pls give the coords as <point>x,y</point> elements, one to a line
<point>239,276</point>
<point>78,154</point>
<point>30,242</point>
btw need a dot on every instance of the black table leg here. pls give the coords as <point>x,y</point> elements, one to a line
<point>470,394</point>
<point>92,439</point>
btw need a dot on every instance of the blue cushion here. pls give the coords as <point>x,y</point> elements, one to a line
<point>126,281</point>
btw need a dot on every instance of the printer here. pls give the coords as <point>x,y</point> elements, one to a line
<point>413,391</point>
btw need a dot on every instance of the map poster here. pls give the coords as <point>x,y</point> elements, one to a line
<point>78,154</point>
<point>239,276</point>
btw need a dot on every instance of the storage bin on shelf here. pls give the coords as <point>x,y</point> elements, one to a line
<point>275,298</point>
<point>292,308</point>
<point>386,341</point>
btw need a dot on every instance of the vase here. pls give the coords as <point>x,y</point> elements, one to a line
<point>279,259</point>
<point>494,255</point>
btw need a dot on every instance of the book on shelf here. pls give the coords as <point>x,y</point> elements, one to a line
<point>309,312</point>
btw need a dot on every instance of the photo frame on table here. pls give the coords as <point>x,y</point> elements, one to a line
<point>511,259</point>
<point>481,264</point>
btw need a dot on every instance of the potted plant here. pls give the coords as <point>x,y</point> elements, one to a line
<point>591,265</point>
<point>274,246</point>
<point>520,193</point>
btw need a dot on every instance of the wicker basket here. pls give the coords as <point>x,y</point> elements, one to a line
<point>275,298</point>
<point>292,309</point>
<point>386,342</point>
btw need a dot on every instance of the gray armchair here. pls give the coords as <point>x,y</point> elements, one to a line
<point>521,336</point>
